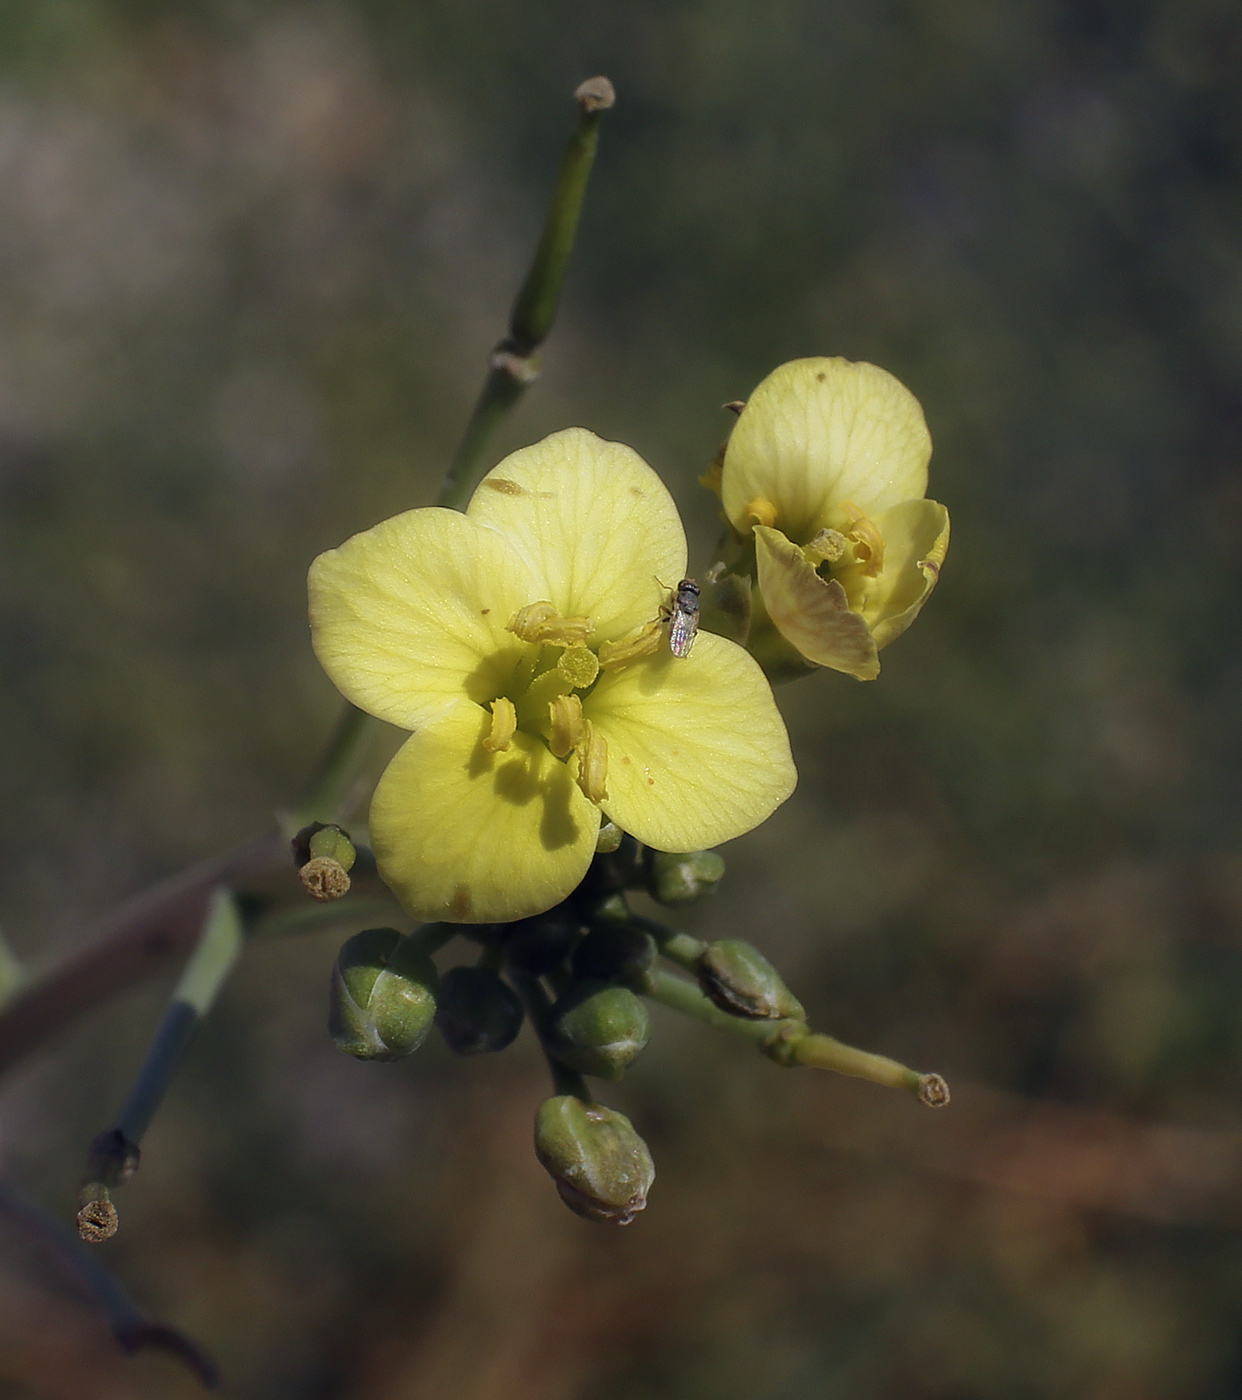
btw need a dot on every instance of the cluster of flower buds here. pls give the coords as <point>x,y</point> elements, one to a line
<point>582,973</point>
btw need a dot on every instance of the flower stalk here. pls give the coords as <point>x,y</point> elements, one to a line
<point>114,1152</point>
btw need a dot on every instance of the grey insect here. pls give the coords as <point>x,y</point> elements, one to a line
<point>682,615</point>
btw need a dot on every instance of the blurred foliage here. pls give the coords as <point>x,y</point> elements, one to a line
<point>251,260</point>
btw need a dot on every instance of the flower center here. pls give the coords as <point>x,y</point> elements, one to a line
<point>542,699</point>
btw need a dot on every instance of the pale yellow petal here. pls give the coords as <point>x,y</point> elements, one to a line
<point>411,615</point>
<point>469,836</point>
<point>597,525</point>
<point>697,750</point>
<point>820,432</point>
<point>811,613</point>
<point>916,539</point>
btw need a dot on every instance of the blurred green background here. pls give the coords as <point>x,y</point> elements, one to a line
<point>252,258</point>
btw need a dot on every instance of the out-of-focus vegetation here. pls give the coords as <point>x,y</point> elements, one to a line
<point>252,257</point>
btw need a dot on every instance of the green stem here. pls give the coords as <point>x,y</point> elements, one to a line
<point>513,366</point>
<point>538,1006</point>
<point>679,948</point>
<point>679,995</point>
<point>790,1043</point>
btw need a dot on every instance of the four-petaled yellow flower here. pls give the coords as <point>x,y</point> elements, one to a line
<point>521,643</point>
<point>827,464</point>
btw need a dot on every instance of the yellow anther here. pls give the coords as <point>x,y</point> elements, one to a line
<point>568,726</point>
<point>540,622</point>
<point>868,543</point>
<point>579,666</point>
<point>760,511</point>
<point>638,644</point>
<point>592,751</point>
<point>828,545</point>
<point>504,725</point>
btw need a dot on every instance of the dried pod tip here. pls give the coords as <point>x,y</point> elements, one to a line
<point>324,879</point>
<point>595,95</point>
<point>97,1219</point>
<point>933,1091</point>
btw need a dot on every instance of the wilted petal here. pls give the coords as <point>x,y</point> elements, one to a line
<point>811,613</point>
<point>697,751</point>
<point>820,432</point>
<point>916,539</point>
<point>469,836</point>
<point>596,524</point>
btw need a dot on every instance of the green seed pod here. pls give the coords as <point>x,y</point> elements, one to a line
<point>597,1028</point>
<point>683,879</point>
<point>383,997</point>
<point>601,1167</point>
<point>614,953</point>
<point>477,1011</point>
<point>739,979</point>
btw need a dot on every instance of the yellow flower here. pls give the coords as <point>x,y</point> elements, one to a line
<point>521,643</point>
<point>827,464</point>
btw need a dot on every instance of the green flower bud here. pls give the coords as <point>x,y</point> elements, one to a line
<point>609,838</point>
<point>477,1011</point>
<point>542,943</point>
<point>683,879</point>
<point>614,953</point>
<point>598,1029</point>
<point>601,1167</point>
<point>383,997</point>
<point>739,979</point>
<point>613,870</point>
<point>323,840</point>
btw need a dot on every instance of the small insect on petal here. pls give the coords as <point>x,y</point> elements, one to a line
<point>683,617</point>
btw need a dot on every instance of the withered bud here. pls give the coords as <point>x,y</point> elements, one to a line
<point>933,1091</point>
<point>97,1219</point>
<point>739,979</point>
<point>595,95</point>
<point>601,1166</point>
<point>324,879</point>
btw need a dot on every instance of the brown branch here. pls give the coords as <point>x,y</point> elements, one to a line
<point>142,938</point>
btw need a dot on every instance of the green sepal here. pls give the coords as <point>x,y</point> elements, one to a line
<point>598,1028</point>
<point>383,997</point>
